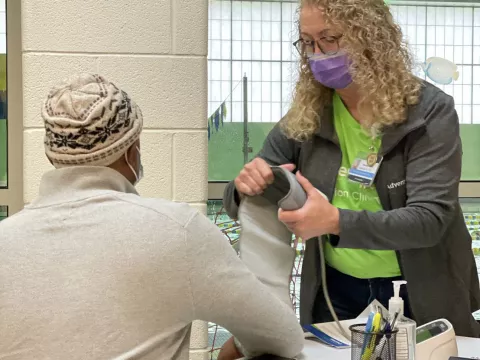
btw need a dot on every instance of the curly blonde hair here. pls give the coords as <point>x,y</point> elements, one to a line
<point>381,69</point>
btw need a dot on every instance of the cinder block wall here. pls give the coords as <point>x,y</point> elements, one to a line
<point>156,50</point>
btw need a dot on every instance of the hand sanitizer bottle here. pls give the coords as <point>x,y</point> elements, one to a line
<point>407,328</point>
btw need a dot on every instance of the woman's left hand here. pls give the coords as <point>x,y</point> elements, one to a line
<point>316,218</point>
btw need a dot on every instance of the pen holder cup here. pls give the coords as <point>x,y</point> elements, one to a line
<point>373,345</point>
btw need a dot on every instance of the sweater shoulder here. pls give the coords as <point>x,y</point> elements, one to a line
<point>179,213</point>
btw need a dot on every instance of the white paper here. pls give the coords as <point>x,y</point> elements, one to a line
<point>329,333</point>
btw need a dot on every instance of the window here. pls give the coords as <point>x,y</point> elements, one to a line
<point>11,122</point>
<point>253,38</point>
<point>3,212</point>
<point>250,43</point>
<point>452,33</point>
<point>471,211</point>
<point>3,97</point>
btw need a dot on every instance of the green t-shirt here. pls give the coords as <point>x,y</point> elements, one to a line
<point>364,264</point>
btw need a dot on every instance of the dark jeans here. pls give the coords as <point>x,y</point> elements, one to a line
<point>350,296</point>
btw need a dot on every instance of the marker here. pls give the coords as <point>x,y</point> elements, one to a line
<point>375,328</point>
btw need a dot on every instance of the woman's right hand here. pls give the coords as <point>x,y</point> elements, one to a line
<point>256,176</point>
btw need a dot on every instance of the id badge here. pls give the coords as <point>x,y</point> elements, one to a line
<point>364,168</point>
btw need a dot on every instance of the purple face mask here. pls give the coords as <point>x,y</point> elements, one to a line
<point>331,71</point>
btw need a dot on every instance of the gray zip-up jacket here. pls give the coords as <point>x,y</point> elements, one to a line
<point>417,184</point>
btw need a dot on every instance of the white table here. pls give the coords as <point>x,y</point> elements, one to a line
<point>467,347</point>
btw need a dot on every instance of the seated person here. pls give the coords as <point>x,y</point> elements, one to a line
<point>91,270</point>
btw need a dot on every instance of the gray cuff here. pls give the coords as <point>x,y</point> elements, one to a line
<point>347,219</point>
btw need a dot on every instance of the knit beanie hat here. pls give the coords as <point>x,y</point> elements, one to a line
<point>89,121</point>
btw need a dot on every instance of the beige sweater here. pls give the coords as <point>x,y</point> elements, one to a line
<point>90,270</point>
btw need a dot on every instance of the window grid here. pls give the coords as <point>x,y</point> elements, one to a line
<point>254,38</point>
<point>447,32</point>
<point>260,43</point>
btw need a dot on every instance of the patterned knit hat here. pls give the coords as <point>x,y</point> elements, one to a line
<point>89,121</point>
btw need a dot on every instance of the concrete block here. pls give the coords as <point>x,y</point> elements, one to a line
<point>171,91</point>
<point>157,149</point>
<point>35,163</point>
<point>97,26</point>
<point>199,355</point>
<point>199,336</point>
<point>190,164</point>
<point>189,39</point>
<point>202,208</point>
<point>40,73</point>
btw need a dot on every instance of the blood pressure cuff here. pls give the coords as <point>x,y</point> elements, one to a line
<point>265,242</point>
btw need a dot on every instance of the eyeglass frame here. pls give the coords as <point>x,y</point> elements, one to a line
<point>316,43</point>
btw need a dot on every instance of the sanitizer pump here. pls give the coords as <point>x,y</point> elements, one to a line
<point>396,302</point>
<point>406,336</point>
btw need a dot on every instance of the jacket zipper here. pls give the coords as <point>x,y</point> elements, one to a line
<point>338,169</point>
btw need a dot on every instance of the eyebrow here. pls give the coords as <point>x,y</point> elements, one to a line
<point>321,33</point>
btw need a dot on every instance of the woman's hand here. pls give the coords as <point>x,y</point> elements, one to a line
<point>316,218</point>
<point>256,176</point>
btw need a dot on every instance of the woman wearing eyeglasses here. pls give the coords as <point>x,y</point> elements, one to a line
<point>384,146</point>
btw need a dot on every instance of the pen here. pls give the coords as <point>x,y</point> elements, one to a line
<point>392,324</point>
<point>389,327</point>
<point>368,329</point>
<point>384,325</point>
<point>375,328</point>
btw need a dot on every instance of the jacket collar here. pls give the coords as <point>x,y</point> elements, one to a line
<point>326,130</point>
<point>392,135</point>
<point>79,182</point>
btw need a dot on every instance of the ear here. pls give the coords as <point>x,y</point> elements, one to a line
<point>132,155</point>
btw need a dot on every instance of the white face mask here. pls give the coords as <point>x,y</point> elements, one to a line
<point>139,173</point>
